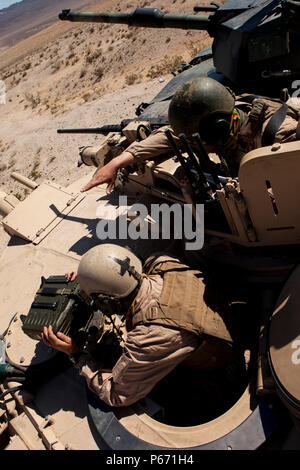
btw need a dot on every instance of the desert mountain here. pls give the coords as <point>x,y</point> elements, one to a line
<point>22,20</point>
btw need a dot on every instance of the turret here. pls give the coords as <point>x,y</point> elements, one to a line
<point>143,17</point>
<point>255,42</point>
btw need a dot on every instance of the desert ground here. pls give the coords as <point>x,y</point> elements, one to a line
<point>81,75</point>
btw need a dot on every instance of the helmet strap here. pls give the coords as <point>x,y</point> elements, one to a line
<point>115,305</point>
<point>109,303</point>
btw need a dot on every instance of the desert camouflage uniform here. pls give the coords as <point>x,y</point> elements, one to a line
<point>248,125</point>
<point>152,350</point>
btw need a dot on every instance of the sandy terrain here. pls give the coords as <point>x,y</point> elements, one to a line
<point>47,155</point>
<point>81,75</point>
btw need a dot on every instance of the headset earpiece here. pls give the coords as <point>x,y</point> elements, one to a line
<point>216,132</point>
<point>222,131</point>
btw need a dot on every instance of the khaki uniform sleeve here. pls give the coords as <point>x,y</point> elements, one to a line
<point>155,145</point>
<point>151,352</point>
<point>157,258</point>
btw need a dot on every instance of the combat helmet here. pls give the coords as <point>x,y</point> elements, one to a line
<point>203,106</point>
<point>110,271</point>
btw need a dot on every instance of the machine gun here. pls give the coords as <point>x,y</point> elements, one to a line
<point>255,43</point>
<point>104,130</point>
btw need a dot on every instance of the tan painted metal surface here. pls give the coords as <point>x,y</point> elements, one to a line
<point>144,427</point>
<point>40,212</point>
<point>21,266</point>
<point>276,168</point>
<point>63,398</point>
<point>71,220</point>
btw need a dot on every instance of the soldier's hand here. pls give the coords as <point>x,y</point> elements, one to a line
<point>60,342</point>
<point>71,275</point>
<point>107,174</point>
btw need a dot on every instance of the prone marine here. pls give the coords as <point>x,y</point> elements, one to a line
<point>229,127</point>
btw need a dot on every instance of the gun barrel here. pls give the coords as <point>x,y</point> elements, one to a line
<point>92,130</point>
<point>78,131</point>
<point>144,17</point>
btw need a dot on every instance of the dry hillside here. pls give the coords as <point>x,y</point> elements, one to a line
<point>22,20</point>
<point>70,60</point>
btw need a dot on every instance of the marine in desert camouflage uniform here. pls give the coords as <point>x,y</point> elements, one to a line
<point>229,127</point>
<point>167,320</point>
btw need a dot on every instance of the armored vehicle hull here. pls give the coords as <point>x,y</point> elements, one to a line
<point>251,402</point>
<point>234,407</point>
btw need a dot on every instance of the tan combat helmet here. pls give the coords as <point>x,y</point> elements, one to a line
<point>110,270</point>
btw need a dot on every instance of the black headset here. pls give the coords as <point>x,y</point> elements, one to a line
<point>216,132</point>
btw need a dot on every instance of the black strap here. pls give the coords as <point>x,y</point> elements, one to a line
<point>276,120</point>
<point>273,125</point>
